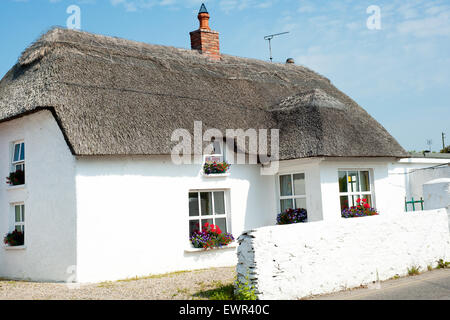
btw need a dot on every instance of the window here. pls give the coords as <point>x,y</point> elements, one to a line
<point>19,217</point>
<point>354,184</point>
<point>18,161</point>
<point>218,153</point>
<point>207,206</point>
<point>292,191</point>
<point>17,172</point>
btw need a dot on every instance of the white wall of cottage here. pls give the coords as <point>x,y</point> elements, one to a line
<point>48,196</point>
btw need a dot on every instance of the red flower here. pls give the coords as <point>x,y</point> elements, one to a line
<point>364,200</point>
<point>366,205</point>
<point>359,200</point>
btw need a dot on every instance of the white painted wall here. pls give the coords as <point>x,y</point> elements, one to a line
<point>409,175</point>
<point>295,261</point>
<point>49,197</point>
<point>133,214</point>
<point>437,194</point>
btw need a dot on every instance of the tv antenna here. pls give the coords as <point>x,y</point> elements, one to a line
<point>269,38</point>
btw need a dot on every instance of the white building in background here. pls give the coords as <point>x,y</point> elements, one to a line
<point>89,120</point>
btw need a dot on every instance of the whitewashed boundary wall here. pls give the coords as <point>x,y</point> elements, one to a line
<point>299,260</point>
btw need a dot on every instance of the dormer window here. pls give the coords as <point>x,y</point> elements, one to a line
<point>218,153</point>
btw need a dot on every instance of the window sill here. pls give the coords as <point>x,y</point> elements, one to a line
<point>216,175</point>
<point>18,187</point>
<point>14,248</point>
<point>233,245</point>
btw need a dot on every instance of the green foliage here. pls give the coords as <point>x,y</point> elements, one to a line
<point>237,291</point>
<point>443,264</point>
<point>414,270</point>
<point>245,291</point>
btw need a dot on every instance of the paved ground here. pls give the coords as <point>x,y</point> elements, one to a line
<point>433,285</point>
<point>176,286</point>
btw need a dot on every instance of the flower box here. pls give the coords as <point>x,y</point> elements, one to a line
<point>291,216</point>
<point>363,209</point>
<point>210,237</point>
<point>14,239</point>
<point>215,168</point>
<point>16,178</point>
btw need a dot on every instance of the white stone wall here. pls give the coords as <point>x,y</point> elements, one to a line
<point>49,198</point>
<point>295,261</point>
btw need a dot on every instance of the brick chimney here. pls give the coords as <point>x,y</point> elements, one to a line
<point>204,39</point>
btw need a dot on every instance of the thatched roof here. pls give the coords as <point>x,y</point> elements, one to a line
<point>112,96</point>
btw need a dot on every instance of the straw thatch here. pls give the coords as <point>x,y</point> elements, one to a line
<point>114,96</point>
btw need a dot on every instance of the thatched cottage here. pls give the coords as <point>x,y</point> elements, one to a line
<point>89,120</point>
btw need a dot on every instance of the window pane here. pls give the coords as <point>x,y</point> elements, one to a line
<point>193,204</point>
<point>17,213</point>
<point>365,183</point>
<point>353,181</point>
<point>22,151</point>
<point>342,181</point>
<point>368,197</point>
<point>23,213</point>
<point>19,228</point>
<point>194,225</point>
<point>210,221</point>
<point>16,152</point>
<point>222,224</point>
<point>286,204</point>
<point>219,202</point>
<point>206,203</point>
<point>217,148</point>
<point>300,203</point>
<point>344,202</point>
<point>285,185</point>
<point>299,184</point>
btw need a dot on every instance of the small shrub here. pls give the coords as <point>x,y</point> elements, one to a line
<point>292,216</point>
<point>245,291</point>
<point>15,238</point>
<point>216,167</point>
<point>210,237</point>
<point>443,264</point>
<point>413,271</point>
<point>363,209</point>
<point>429,267</point>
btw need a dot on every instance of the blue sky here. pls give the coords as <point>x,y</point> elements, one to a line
<point>400,74</point>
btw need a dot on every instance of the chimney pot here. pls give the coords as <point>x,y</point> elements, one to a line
<point>203,38</point>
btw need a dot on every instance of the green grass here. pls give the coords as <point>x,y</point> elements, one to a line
<point>413,271</point>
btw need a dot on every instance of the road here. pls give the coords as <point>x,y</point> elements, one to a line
<point>433,285</point>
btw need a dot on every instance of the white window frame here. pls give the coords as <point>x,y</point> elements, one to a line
<point>350,194</point>
<point>293,196</point>
<point>20,223</point>
<point>198,218</point>
<point>217,157</point>
<point>20,162</point>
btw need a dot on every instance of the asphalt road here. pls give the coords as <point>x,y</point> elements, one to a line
<point>433,285</point>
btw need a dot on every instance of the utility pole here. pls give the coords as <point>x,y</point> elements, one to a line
<point>443,140</point>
